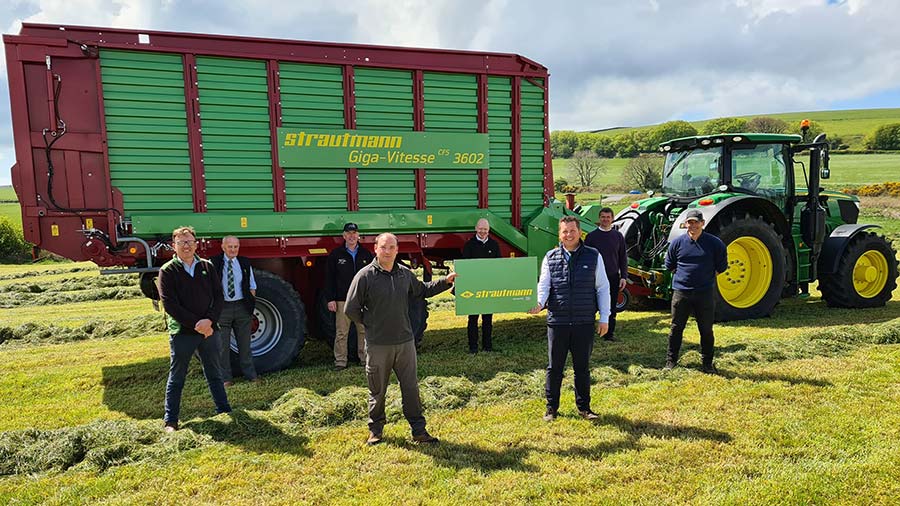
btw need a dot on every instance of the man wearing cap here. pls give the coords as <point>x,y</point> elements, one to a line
<point>694,258</point>
<point>481,246</point>
<point>611,245</point>
<point>239,288</point>
<point>343,263</point>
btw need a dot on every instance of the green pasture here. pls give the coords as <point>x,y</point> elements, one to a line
<point>7,194</point>
<point>805,411</point>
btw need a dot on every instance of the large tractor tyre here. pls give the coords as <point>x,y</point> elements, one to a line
<point>327,328</point>
<point>866,274</point>
<point>753,283</point>
<point>279,324</point>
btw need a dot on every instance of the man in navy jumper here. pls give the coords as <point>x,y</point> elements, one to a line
<point>611,245</point>
<point>695,258</point>
<point>573,287</point>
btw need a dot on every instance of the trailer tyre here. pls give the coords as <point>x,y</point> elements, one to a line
<point>279,326</point>
<point>866,274</point>
<point>753,283</point>
<point>327,327</point>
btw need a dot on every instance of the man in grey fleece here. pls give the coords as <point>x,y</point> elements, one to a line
<point>379,299</point>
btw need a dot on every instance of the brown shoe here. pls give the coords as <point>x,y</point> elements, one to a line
<point>227,383</point>
<point>550,415</point>
<point>426,438</point>
<point>374,439</point>
<point>171,427</point>
<point>340,367</point>
<point>257,380</point>
<point>588,415</point>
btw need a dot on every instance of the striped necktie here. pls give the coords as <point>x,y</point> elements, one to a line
<point>229,279</point>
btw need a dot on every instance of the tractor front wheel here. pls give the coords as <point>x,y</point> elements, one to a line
<point>752,285</point>
<point>866,274</point>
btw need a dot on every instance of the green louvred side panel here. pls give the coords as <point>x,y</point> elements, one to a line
<point>146,125</point>
<point>384,101</point>
<point>451,105</point>
<point>237,151</point>
<point>532,148</point>
<point>500,130</point>
<point>312,96</point>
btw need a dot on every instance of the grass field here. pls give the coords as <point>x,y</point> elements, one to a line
<point>851,125</point>
<point>805,411</point>
<point>7,194</point>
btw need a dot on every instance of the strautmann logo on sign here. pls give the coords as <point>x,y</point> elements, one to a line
<point>341,149</point>
<point>495,285</point>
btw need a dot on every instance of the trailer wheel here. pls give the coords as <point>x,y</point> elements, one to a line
<point>623,300</point>
<point>866,274</point>
<point>278,323</point>
<point>753,283</point>
<point>327,327</point>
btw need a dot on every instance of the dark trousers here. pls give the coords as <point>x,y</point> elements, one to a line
<point>181,349</point>
<point>487,326</point>
<point>579,340</point>
<point>235,317</point>
<point>381,359</point>
<point>702,304</point>
<point>614,298</point>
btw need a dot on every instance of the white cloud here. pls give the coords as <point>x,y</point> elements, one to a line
<point>612,63</point>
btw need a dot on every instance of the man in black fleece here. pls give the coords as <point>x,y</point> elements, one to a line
<point>191,294</point>
<point>481,246</point>
<point>379,298</point>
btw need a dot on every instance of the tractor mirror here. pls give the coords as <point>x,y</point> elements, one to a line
<point>825,173</point>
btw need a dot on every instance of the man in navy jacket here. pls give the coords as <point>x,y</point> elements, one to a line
<point>695,258</point>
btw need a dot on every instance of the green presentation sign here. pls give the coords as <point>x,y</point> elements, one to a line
<point>381,149</point>
<point>496,285</point>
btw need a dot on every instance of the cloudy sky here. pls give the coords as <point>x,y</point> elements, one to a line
<point>612,62</point>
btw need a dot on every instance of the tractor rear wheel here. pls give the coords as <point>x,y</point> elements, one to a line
<point>752,285</point>
<point>866,274</point>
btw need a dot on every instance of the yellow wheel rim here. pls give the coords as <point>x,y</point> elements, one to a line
<point>870,274</point>
<point>749,273</point>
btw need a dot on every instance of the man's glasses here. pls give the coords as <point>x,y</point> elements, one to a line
<point>185,243</point>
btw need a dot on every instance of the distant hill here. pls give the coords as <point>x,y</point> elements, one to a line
<point>851,125</point>
<point>7,194</point>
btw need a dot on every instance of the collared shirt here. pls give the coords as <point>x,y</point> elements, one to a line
<point>189,268</point>
<point>483,241</point>
<point>353,251</point>
<point>601,284</point>
<point>238,277</point>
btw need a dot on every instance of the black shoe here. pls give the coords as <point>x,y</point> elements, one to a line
<point>588,415</point>
<point>339,367</point>
<point>670,364</point>
<point>473,352</point>
<point>611,338</point>
<point>374,439</point>
<point>426,438</point>
<point>491,350</point>
<point>709,368</point>
<point>550,415</point>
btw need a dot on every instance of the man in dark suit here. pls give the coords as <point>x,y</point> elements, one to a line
<point>239,288</point>
<point>481,246</point>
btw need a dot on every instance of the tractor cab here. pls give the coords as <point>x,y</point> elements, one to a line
<point>754,164</point>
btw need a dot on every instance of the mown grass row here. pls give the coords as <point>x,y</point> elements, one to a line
<point>300,411</point>
<point>37,333</point>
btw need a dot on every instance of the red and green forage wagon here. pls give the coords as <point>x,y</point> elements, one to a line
<point>123,135</point>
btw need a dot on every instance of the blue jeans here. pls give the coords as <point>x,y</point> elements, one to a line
<point>182,348</point>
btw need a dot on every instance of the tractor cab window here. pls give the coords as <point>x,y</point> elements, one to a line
<point>692,173</point>
<point>761,170</point>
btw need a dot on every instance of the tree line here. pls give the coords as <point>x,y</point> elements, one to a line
<point>628,144</point>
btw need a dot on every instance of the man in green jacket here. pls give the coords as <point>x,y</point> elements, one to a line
<point>379,298</point>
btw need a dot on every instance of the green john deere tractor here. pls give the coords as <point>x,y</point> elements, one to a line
<point>782,231</point>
